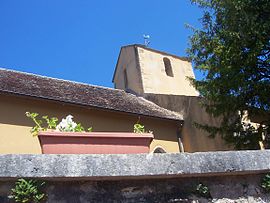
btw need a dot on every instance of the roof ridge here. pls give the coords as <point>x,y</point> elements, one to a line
<point>63,80</point>
<point>184,58</point>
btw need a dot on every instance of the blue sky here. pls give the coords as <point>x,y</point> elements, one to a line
<point>80,40</point>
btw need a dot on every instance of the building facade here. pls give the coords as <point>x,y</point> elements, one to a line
<point>164,79</point>
<point>150,86</point>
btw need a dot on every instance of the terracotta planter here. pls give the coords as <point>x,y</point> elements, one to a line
<point>94,143</point>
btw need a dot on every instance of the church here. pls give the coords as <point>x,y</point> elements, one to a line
<point>149,85</point>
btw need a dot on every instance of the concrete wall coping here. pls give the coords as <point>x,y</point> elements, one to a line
<point>114,166</point>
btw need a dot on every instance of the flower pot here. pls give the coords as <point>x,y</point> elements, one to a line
<point>94,142</point>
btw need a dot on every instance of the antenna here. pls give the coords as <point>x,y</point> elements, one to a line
<point>146,40</point>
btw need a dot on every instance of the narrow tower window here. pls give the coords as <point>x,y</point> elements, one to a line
<point>125,79</point>
<point>168,66</point>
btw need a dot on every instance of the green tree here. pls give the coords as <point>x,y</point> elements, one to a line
<point>232,49</point>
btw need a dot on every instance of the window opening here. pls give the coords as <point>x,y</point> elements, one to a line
<point>125,79</point>
<point>168,67</point>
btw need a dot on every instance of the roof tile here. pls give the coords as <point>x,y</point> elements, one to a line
<point>26,84</point>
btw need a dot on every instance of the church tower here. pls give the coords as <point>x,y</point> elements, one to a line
<point>162,78</point>
<point>142,70</point>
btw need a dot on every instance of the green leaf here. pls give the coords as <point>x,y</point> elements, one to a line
<point>232,50</point>
<point>27,191</point>
<point>138,128</point>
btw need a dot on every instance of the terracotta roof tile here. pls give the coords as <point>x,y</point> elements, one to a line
<point>26,84</point>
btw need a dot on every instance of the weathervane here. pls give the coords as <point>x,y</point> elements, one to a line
<point>146,40</point>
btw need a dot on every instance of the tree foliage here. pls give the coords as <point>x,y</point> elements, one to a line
<point>232,49</point>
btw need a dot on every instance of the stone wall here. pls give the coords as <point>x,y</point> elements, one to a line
<point>229,176</point>
<point>222,189</point>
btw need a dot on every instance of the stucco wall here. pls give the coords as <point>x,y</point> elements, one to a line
<point>173,93</point>
<point>154,77</point>
<point>128,61</point>
<point>197,139</point>
<point>194,139</point>
<point>15,127</point>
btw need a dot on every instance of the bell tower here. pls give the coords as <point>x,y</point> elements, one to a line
<point>143,70</point>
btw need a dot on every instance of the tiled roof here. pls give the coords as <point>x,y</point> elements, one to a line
<point>32,85</point>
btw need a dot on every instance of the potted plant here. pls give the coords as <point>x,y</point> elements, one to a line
<point>68,137</point>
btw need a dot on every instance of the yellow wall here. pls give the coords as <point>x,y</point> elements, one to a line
<point>15,127</point>
<point>196,139</point>
<point>193,138</point>
<point>146,73</point>
<point>127,61</point>
<point>149,77</point>
<point>155,79</point>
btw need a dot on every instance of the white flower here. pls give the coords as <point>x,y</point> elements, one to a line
<point>73,124</point>
<point>66,124</point>
<point>69,118</point>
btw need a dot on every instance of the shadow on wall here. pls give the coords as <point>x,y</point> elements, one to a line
<point>12,111</point>
<point>198,137</point>
<point>193,138</point>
